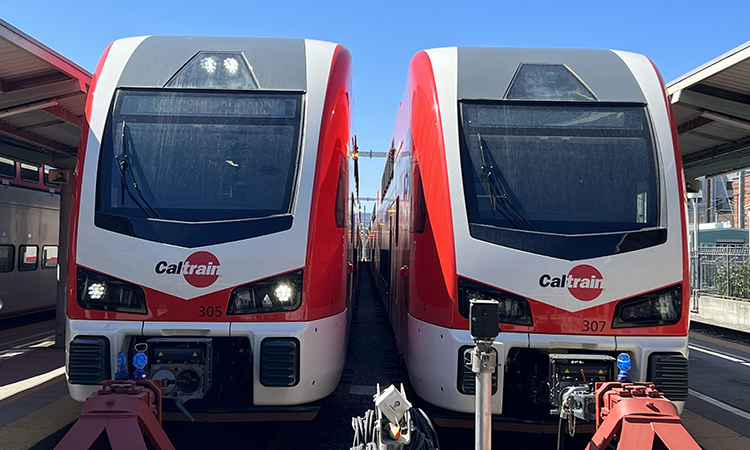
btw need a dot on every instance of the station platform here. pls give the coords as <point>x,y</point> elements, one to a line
<point>36,411</point>
<point>35,408</point>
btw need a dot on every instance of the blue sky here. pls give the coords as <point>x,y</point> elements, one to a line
<point>383,36</point>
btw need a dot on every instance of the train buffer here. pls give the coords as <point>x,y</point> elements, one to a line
<point>639,416</point>
<point>125,410</point>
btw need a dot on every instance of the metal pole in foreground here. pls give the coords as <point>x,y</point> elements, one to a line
<point>483,362</point>
<point>484,328</point>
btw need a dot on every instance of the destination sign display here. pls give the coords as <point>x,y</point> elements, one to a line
<point>207,105</point>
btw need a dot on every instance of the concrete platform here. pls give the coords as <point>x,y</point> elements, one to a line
<point>733,314</point>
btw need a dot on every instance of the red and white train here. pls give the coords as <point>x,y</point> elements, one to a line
<point>212,220</point>
<point>551,181</point>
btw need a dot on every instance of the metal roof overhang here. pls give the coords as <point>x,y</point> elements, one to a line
<point>42,100</point>
<point>711,107</point>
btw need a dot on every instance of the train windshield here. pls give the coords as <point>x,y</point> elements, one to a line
<point>566,169</point>
<point>197,156</point>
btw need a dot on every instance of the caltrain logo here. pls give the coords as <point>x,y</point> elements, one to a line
<point>583,282</point>
<point>201,269</point>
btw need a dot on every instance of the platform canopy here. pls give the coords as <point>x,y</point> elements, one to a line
<point>42,99</point>
<point>711,107</point>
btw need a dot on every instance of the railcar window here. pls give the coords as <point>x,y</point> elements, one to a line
<point>200,156</point>
<point>7,257</point>
<point>397,213</point>
<point>340,203</point>
<point>7,168</point>
<point>418,209</point>
<point>49,257</point>
<point>27,257</point>
<point>559,168</point>
<point>29,172</point>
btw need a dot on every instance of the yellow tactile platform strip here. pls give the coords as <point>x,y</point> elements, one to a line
<point>712,436</point>
<point>29,431</point>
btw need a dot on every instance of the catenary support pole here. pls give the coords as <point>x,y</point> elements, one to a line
<point>66,197</point>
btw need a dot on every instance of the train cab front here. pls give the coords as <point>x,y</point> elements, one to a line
<point>564,204</point>
<point>207,251</point>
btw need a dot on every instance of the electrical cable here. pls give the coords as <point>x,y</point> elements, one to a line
<point>366,430</point>
<point>424,425</point>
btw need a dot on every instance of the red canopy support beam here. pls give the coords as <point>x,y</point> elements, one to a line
<point>64,114</point>
<point>36,140</point>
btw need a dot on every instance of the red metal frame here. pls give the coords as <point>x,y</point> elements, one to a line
<point>640,416</point>
<point>126,410</point>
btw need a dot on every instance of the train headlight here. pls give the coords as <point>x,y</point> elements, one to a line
<point>98,291</point>
<point>281,293</point>
<point>662,307</point>
<point>284,293</point>
<point>208,64</point>
<point>231,65</point>
<point>513,308</point>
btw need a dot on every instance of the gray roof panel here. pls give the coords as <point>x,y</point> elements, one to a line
<point>279,64</point>
<point>486,72</point>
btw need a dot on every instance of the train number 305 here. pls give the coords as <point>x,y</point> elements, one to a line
<point>210,311</point>
<point>594,325</point>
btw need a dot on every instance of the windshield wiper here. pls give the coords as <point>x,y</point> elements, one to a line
<point>498,197</point>
<point>123,163</point>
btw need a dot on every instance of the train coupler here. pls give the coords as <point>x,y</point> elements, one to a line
<point>640,417</point>
<point>126,410</point>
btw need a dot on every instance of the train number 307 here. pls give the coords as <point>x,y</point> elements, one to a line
<point>210,311</point>
<point>593,325</point>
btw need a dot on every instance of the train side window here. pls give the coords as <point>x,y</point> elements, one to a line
<point>341,195</point>
<point>7,258</point>
<point>419,208</point>
<point>27,257</point>
<point>7,168</point>
<point>49,257</point>
<point>398,201</point>
<point>29,172</point>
